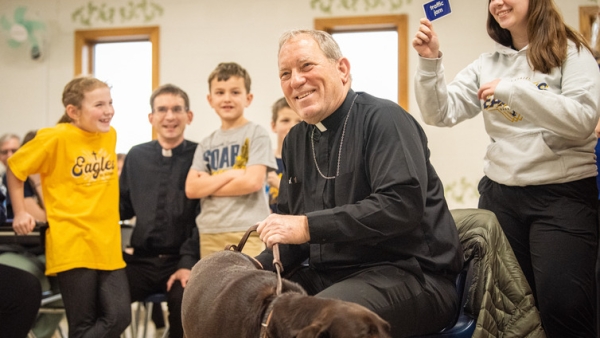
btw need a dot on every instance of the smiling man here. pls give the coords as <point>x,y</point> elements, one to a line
<point>359,198</point>
<point>165,240</point>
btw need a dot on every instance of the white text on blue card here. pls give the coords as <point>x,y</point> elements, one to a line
<point>436,9</point>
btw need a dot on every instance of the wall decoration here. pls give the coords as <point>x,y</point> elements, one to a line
<point>143,9</point>
<point>22,31</point>
<point>325,6</point>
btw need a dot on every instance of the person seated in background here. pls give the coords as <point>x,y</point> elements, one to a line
<point>9,144</point>
<point>20,297</point>
<point>282,119</point>
<point>30,257</point>
<point>359,197</point>
<point>20,294</point>
<point>165,239</point>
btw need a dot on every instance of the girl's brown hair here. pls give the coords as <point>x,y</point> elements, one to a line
<point>547,34</point>
<point>74,93</point>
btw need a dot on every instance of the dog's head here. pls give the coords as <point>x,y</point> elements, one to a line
<point>339,319</point>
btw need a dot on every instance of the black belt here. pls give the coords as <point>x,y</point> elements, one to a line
<point>147,254</point>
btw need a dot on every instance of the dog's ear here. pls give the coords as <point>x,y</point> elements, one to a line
<point>386,329</point>
<point>379,330</point>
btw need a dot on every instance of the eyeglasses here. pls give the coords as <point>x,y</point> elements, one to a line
<point>6,151</point>
<point>174,110</point>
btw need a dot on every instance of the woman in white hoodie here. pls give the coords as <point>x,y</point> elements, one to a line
<point>539,93</point>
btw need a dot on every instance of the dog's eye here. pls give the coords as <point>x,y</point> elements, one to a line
<point>324,335</point>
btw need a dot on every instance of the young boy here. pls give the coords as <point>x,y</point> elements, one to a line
<point>230,166</point>
<point>283,118</point>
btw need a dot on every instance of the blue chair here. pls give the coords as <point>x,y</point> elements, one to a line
<point>148,303</point>
<point>463,325</point>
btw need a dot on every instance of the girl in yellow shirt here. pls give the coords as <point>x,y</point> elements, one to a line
<point>77,164</point>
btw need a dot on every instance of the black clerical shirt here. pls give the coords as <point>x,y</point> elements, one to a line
<point>152,188</point>
<point>385,206</point>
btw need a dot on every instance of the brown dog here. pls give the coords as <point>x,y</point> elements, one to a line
<point>227,296</point>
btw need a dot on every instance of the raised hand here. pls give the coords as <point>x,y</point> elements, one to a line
<point>426,41</point>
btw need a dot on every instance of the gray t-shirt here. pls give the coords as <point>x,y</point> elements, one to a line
<point>225,150</point>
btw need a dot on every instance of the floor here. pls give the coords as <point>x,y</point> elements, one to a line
<point>151,331</point>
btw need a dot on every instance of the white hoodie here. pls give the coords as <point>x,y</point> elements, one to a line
<point>541,126</point>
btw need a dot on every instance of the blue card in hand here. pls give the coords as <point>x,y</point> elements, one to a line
<point>436,9</point>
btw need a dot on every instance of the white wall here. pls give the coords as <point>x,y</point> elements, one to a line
<point>198,34</point>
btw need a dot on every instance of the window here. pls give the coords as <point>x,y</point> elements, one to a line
<point>127,60</point>
<point>377,47</point>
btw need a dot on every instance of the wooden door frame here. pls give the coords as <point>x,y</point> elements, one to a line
<point>377,23</point>
<point>86,39</point>
<point>587,14</point>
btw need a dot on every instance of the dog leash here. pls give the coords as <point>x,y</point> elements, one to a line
<point>276,258</point>
<point>278,268</point>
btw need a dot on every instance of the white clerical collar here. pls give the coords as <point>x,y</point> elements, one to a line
<point>167,152</point>
<point>321,127</point>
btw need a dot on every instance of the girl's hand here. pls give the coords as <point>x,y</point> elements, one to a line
<point>488,89</point>
<point>426,42</point>
<point>23,223</point>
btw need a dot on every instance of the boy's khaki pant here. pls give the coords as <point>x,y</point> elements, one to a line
<point>210,243</point>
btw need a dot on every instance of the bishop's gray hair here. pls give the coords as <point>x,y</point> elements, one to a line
<point>325,41</point>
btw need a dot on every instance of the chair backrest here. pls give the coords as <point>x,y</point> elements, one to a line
<point>8,236</point>
<point>463,283</point>
<point>463,324</point>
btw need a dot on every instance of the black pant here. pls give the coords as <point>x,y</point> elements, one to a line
<point>149,275</point>
<point>553,232</point>
<point>96,302</point>
<point>598,279</point>
<point>411,306</point>
<point>20,297</point>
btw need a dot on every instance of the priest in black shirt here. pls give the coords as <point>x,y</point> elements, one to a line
<point>359,198</point>
<point>165,239</point>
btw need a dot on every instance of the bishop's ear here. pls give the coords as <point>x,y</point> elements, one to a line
<point>343,66</point>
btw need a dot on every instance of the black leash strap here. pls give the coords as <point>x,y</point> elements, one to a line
<point>276,260</point>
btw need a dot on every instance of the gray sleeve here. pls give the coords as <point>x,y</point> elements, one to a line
<point>446,105</point>
<point>199,163</point>
<point>260,149</point>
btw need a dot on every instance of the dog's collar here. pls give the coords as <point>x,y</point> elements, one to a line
<point>266,317</point>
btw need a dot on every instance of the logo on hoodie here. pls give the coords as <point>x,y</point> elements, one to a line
<point>492,104</point>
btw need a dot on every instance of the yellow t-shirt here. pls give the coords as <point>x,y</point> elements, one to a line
<point>81,193</point>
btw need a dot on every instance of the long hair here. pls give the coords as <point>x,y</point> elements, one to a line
<point>74,93</point>
<point>547,33</point>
